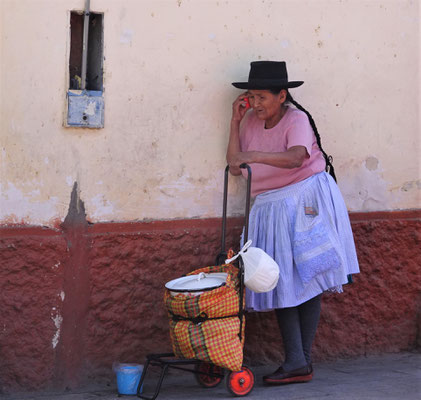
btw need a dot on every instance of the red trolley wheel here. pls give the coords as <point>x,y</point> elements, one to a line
<point>240,383</point>
<point>205,380</point>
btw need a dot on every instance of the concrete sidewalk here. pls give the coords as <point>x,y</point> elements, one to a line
<point>391,376</point>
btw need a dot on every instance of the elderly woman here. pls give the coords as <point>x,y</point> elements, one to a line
<point>298,216</point>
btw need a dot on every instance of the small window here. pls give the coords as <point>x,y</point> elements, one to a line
<point>85,94</point>
<point>94,75</point>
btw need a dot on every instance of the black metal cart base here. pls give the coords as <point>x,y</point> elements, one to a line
<point>206,374</point>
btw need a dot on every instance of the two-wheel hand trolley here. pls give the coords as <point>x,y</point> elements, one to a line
<point>208,375</point>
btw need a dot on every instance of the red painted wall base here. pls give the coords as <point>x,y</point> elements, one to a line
<point>74,300</point>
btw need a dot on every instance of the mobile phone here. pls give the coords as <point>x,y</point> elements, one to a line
<point>247,103</point>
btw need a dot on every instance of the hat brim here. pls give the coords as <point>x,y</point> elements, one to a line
<point>268,85</point>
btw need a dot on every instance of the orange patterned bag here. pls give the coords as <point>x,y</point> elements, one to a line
<point>207,326</point>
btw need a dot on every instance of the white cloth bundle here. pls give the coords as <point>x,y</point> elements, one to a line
<point>261,272</point>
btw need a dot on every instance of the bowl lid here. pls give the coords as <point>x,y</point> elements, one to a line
<point>199,282</point>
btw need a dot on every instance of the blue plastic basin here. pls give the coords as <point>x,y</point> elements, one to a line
<point>128,377</point>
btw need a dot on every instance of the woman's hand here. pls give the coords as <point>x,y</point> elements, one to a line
<point>239,107</point>
<point>239,158</point>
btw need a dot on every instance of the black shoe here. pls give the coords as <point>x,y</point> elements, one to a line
<point>281,377</point>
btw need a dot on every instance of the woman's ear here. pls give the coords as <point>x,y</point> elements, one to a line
<point>283,96</point>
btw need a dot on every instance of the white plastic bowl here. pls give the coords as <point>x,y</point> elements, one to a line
<point>196,284</point>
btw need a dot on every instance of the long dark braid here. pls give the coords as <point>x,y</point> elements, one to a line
<point>328,159</point>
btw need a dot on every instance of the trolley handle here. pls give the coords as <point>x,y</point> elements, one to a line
<point>224,209</point>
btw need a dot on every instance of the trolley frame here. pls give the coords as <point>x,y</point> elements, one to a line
<point>167,360</point>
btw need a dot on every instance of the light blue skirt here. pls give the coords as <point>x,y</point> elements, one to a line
<point>305,227</point>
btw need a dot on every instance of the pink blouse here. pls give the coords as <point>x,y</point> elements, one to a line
<point>293,129</point>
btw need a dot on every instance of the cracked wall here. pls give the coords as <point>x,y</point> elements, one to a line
<point>167,73</point>
<point>76,299</point>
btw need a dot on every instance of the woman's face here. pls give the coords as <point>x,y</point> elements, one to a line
<point>265,104</point>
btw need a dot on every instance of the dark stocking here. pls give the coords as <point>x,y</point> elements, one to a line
<point>298,327</point>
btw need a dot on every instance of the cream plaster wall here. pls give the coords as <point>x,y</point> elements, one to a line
<point>168,68</point>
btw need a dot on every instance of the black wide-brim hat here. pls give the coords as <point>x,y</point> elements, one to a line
<point>268,75</point>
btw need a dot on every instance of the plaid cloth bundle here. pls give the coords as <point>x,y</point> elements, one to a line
<point>206,327</point>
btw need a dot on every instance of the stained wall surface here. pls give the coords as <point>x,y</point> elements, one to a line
<point>73,304</point>
<point>167,72</point>
<point>93,222</point>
